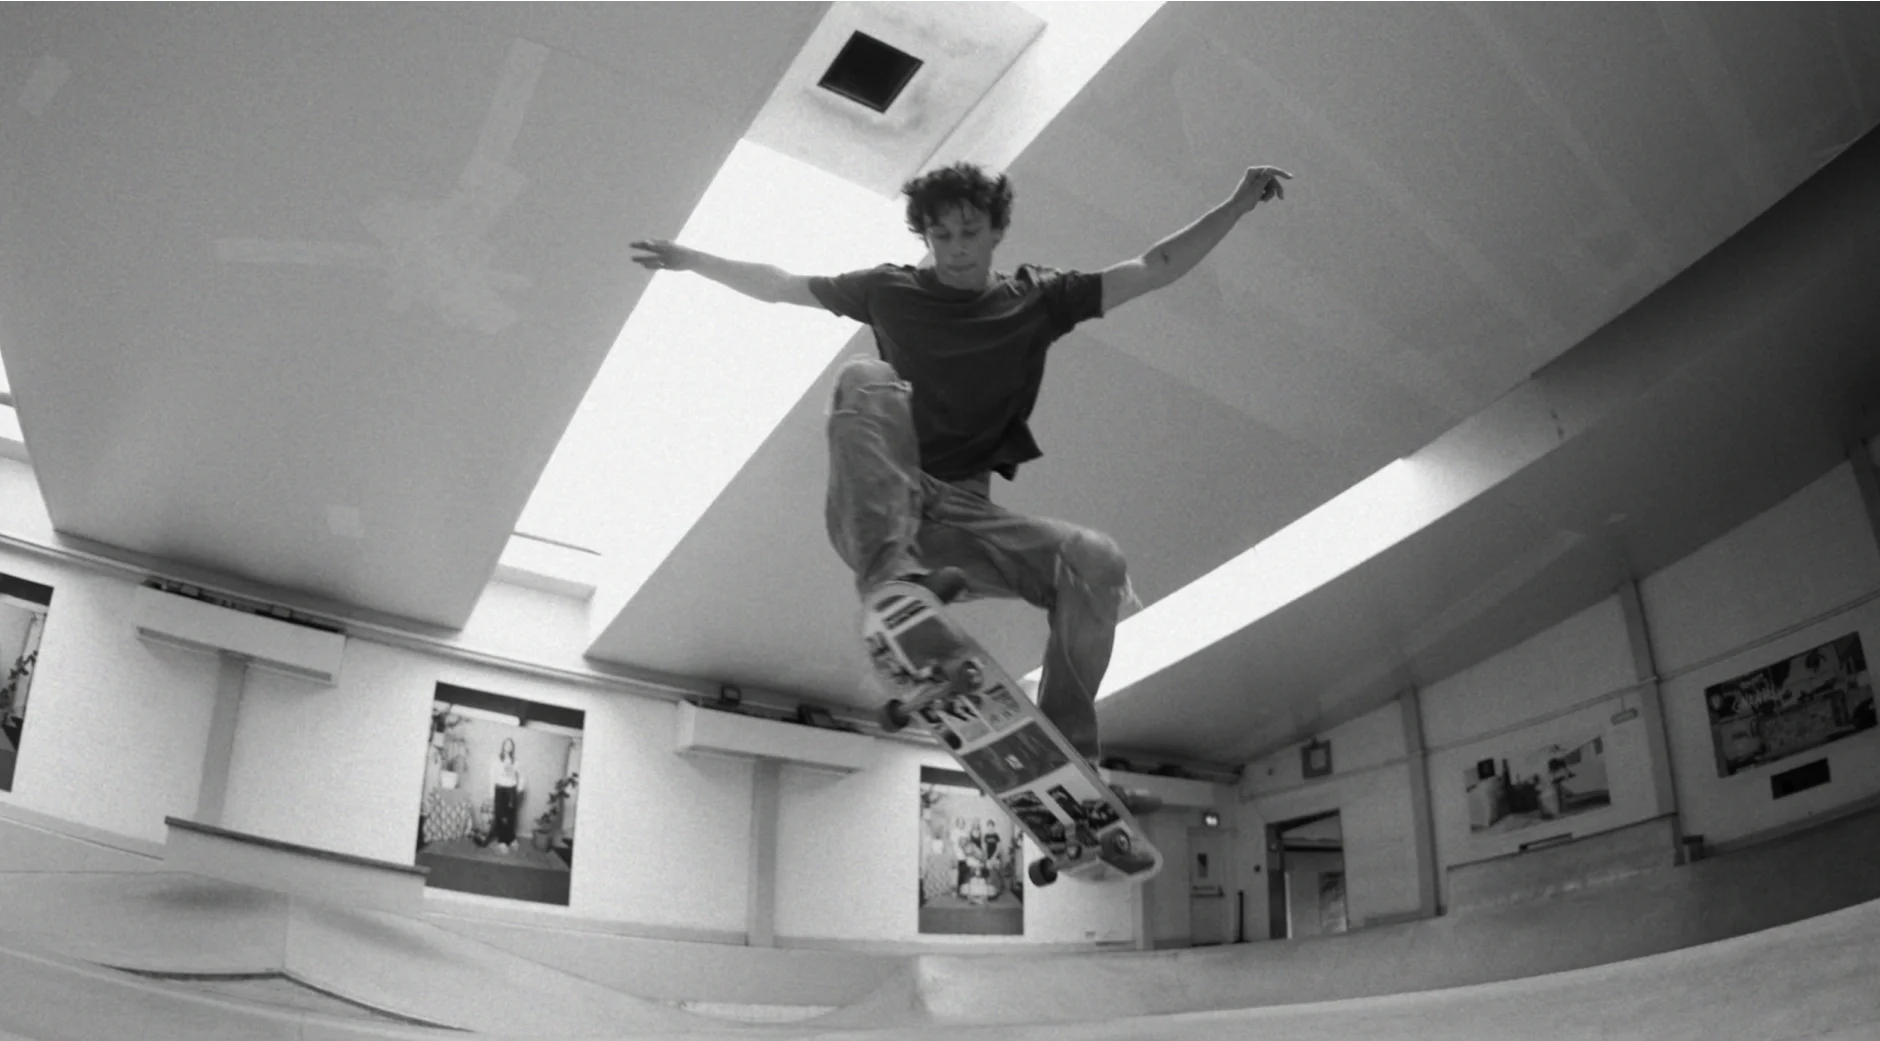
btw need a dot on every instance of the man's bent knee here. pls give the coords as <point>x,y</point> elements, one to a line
<point>861,374</point>
<point>1096,563</point>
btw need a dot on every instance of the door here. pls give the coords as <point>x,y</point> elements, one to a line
<point>1278,896</point>
<point>1208,876</point>
<point>1294,849</point>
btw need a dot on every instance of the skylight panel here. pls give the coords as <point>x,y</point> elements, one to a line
<point>701,375</point>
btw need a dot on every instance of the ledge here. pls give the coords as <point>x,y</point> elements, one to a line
<point>704,731</point>
<point>1576,863</point>
<point>1175,792</point>
<point>293,869</point>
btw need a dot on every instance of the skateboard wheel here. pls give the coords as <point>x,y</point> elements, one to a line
<point>894,717</point>
<point>1042,872</point>
<point>1117,843</point>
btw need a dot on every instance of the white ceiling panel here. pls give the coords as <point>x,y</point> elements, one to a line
<point>307,294</point>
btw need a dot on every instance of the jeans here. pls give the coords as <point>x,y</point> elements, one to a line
<point>888,518</point>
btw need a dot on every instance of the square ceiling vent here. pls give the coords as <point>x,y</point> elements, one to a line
<point>869,72</point>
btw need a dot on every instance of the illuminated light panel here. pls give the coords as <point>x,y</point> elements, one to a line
<point>701,374</point>
<point>1363,521</point>
<point>1366,519</point>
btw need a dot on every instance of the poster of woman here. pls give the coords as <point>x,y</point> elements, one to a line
<point>970,863</point>
<point>502,776</point>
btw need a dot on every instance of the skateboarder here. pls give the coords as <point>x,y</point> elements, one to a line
<point>916,435</point>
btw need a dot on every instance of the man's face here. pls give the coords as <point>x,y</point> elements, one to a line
<point>962,240</point>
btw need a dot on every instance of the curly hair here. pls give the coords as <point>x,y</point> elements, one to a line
<point>933,193</point>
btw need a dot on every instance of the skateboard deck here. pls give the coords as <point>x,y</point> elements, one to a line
<point>940,678</point>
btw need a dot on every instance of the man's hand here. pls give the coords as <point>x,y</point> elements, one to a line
<point>662,255</point>
<point>1259,184</point>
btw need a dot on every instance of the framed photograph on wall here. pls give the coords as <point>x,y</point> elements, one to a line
<point>23,608</point>
<point>972,868</point>
<point>1539,783</point>
<point>1315,759</point>
<point>1790,706</point>
<point>501,781</point>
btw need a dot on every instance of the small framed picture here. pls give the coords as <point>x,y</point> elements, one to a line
<point>1316,758</point>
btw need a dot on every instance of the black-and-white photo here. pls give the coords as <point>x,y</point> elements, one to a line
<point>971,869</point>
<point>501,781</point>
<point>23,607</point>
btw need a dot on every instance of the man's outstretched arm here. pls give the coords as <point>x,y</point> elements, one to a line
<point>772,285</point>
<point>1176,255</point>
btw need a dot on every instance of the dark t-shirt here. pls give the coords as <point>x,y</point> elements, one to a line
<point>975,358</point>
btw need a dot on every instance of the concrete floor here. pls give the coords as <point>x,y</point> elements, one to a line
<point>1818,978</point>
<point>1799,969</point>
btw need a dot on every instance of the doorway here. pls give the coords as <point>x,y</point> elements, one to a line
<point>1210,913</point>
<point>1306,877</point>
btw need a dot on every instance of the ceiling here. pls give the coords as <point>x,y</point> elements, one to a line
<point>308,295</point>
<point>1473,199</point>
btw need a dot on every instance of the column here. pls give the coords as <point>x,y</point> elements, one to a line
<point>1861,460</point>
<point>760,908</point>
<point>212,793</point>
<point>1651,706</point>
<point>1429,891</point>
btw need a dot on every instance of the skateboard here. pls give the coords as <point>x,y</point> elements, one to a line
<point>943,680</point>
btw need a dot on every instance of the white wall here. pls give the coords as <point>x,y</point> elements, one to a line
<point>1583,657</point>
<point>1302,884</point>
<point>1170,916</point>
<point>1558,687</point>
<point>1802,573</point>
<point>116,726</point>
<point>1808,555</point>
<point>1793,578</point>
<point>848,868</point>
<point>117,730</point>
<point>337,767</point>
<point>1370,787</point>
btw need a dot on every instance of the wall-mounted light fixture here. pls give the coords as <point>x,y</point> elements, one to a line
<point>1315,758</point>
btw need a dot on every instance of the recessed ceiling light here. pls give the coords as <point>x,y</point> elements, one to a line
<point>869,72</point>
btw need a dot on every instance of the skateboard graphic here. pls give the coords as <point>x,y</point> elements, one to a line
<point>940,677</point>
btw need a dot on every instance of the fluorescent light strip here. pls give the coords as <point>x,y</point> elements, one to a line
<point>1366,519</point>
<point>701,375</point>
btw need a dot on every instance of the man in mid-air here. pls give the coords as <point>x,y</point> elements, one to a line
<point>916,435</point>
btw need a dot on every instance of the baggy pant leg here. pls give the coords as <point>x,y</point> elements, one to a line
<point>873,507</point>
<point>1077,575</point>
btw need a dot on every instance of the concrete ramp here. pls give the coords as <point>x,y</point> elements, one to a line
<point>1814,980</point>
<point>1639,916</point>
<point>185,927</point>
